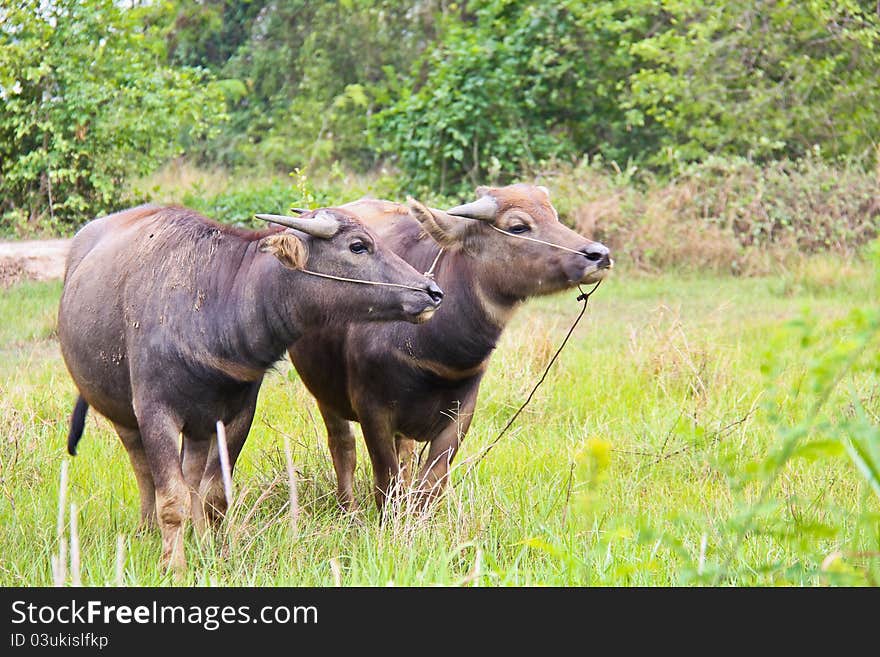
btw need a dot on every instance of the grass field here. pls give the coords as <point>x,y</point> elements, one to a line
<point>644,460</point>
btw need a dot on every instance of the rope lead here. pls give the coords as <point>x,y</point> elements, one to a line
<point>585,297</point>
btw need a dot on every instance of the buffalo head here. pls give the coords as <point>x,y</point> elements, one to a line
<point>550,258</point>
<point>353,274</point>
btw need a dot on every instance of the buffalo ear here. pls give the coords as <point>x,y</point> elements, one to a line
<point>544,189</point>
<point>446,230</point>
<point>288,248</point>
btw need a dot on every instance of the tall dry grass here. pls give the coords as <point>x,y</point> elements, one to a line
<point>723,216</point>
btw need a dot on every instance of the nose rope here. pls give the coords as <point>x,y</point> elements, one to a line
<point>361,280</point>
<point>475,460</point>
<point>430,272</point>
<point>534,239</point>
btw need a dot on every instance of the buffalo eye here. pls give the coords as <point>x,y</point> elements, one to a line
<point>519,228</point>
<point>359,247</point>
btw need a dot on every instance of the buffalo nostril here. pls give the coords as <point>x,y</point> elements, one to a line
<point>434,292</point>
<point>596,252</point>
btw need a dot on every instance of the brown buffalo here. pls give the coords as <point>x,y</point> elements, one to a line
<point>168,323</point>
<point>405,382</point>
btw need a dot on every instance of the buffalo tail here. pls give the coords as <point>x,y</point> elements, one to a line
<point>77,423</point>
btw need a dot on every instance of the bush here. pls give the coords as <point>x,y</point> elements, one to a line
<point>85,102</point>
<point>309,75</point>
<point>724,215</point>
<point>759,78</point>
<point>511,84</point>
<point>518,84</point>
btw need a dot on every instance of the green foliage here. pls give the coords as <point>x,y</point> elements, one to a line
<point>276,196</point>
<point>449,94</point>
<point>238,206</point>
<point>313,72</point>
<point>459,94</point>
<point>760,78</point>
<point>207,33</point>
<point>234,199</point>
<point>512,83</point>
<point>86,103</point>
<point>517,85</point>
<point>828,411</point>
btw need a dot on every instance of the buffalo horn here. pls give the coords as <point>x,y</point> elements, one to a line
<point>322,224</point>
<point>484,208</point>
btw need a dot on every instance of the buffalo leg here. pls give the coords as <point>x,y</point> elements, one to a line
<point>131,439</point>
<point>383,455</point>
<point>159,432</point>
<point>434,475</point>
<point>195,460</point>
<point>340,440</point>
<point>406,456</point>
<point>211,491</point>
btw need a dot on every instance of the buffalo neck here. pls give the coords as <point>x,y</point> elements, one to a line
<point>466,328</point>
<point>250,313</point>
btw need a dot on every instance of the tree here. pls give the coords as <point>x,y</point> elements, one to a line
<point>87,101</point>
<point>513,83</point>
<point>305,78</point>
<point>761,78</point>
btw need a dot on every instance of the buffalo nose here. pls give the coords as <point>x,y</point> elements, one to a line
<point>598,253</point>
<point>435,293</point>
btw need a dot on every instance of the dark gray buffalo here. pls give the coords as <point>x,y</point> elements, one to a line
<point>404,382</point>
<point>168,322</point>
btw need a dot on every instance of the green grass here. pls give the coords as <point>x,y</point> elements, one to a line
<point>639,462</point>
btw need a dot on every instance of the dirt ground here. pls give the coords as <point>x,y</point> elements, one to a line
<point>39,260</point>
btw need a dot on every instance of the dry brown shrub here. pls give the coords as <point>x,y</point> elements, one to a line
<point>722,216</point>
